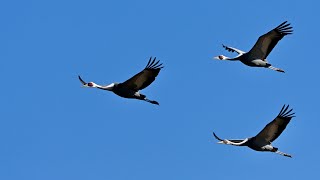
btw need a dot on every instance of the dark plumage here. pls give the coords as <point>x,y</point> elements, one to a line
<point>256,57</point>
<point>262,141</point>
<point>144,78</point>
<point>273,130</point>
<point>130,88</point>
<point>268,41</point>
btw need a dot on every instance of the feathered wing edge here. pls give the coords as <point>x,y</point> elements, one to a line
<point>153,64</point>
<point>286,114</point>
<point>81,80</point>
<point>275,128</point>
<point>284,28</point>
<point>145,77</point>
<point>232,49</point>
<point>214,134</point>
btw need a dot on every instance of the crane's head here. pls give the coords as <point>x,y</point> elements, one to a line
<point>220,57</point>
<point>90,84</point>
<point>85,84</point>
<point>224,142</point>
<point>109,87</point>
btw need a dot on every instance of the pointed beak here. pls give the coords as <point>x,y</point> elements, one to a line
<point>85,86</point>
<point>220,142</point>
<point>216,57</point>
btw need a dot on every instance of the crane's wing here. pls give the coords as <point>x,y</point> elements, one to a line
<point>268,41</point>
<point>82,81</point>
<point>273,130</point>
<point>232,140</point>
<point>145,77</point>
<point>232,49</point>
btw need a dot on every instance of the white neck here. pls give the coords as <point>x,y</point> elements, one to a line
<point>230,59</point>
<point>108,87</point>
<point>237,144</point>
<point>226,58</point>
<point>222,57</point>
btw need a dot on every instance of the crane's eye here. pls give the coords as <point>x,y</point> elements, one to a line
<point>90,84</point>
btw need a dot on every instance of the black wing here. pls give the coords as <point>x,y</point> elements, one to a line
<point>268,41</point>
<point>145,77</point>
<point>82,81</point>
<point>273,130</point>
<point>232,49</point>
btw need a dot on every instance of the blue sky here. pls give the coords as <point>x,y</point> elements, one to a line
<point>51,128</point>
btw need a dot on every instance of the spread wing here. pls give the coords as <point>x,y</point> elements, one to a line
<point>232,49</point>
<point>144,78</point>
<point>273,130</point>
<point>268,41</point>
<point>232,140</point>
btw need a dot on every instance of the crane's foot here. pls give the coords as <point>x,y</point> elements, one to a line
<point>151,101</point>
<point>274,68</point>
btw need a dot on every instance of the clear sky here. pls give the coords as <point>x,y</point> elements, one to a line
<point>52,129</point>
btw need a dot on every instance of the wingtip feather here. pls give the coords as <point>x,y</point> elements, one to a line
<point>284,29</point>
<point>153,64</point>
<point>214,134</point>
<point>285,113</point>
<point>81,80</point>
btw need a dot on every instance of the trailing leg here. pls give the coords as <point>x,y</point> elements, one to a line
<point>144,98</point>
<point>283,154</point>
<point>274,68</point>
<point>151,101</point>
